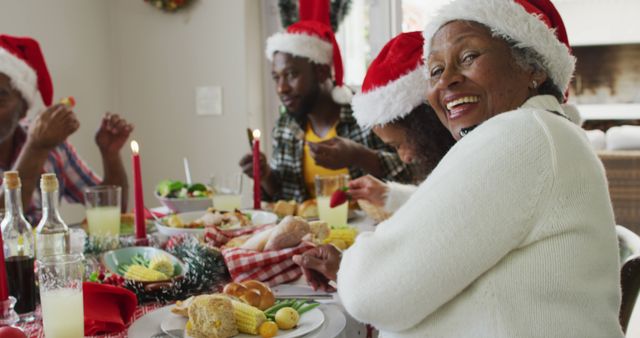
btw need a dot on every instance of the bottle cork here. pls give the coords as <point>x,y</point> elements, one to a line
<point>12,180</point>
<point>49,183</point>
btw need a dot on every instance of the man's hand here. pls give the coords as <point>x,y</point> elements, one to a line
<point>112,134</point>
<point>336,153</point>
<point>246,163</point>
<point>370,189</point>
<point>52,127</point>
<point>320,266</point>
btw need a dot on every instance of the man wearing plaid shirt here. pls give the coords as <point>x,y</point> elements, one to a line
<point>26,88</point>
<point>317,134</point>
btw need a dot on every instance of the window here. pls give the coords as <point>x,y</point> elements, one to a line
<point>371,24</point>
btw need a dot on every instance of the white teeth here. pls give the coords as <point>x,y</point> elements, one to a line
<point>466,99</point>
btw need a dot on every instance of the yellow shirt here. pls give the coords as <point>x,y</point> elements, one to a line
<point>309,167</point>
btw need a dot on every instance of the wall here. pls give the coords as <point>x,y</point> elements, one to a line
<point>600,22</point>
<point>128,57</point>
<point>161,58</point>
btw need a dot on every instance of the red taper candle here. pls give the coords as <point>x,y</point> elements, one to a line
<point>141,230</point>
<point>257,194</point>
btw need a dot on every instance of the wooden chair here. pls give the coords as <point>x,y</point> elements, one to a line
<point>623,173</point>
<point>629,273</point>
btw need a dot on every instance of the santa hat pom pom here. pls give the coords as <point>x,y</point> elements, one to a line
<point>341,94</point>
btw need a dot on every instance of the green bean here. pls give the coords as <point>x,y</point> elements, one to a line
<point>307,308</point>
<point>277,307</point>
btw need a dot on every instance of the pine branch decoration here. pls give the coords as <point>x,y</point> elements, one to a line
<point>288,12</point>
<point>206,272</point>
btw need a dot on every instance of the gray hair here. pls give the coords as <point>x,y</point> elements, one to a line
<point>530,60</point>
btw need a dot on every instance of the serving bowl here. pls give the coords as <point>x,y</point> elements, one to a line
<point>186,204</point>
<point>114,258</point>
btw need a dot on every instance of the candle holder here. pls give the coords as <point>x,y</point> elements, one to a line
<point>8,315</point>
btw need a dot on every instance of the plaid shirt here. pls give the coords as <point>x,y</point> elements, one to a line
<point>73,174</point>
<point>288,152</point>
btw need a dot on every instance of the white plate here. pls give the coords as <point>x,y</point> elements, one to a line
<point>258,217</point>
<point>308,322</point>
<point>149,324</point>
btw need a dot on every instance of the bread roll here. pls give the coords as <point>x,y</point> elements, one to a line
<point>308,209</point>
<point>378,214</point>
<point>319,230</point>
<point>258,240</point>
<point>288,233</point>
<point>267,299</point>
<point>211,316</point>
<point>285,208</point>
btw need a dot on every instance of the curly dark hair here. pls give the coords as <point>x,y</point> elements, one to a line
<point>426,135</point>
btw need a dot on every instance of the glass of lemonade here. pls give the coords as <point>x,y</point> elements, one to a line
<point>325,187</point>
<point>102,204</point>
<point>60,279</point>
<point>227,191</point>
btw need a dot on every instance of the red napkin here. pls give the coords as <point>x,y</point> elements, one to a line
<point>148,214</point>
<point>107,308</point>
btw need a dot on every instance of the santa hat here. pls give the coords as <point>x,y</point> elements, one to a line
<point>395,82</point>
<point>534,24</point>
<point>315,41</point>
<point>21,60</point>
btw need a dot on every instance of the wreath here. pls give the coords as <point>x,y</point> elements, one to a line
<point>338,10</point>
<point>169,5</point>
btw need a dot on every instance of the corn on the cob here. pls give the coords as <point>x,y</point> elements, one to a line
<point>348,235</point>
<point>248,318</point>
<point>144,274</point>
<point>161,263</point>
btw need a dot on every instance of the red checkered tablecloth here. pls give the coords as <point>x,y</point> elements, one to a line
<point>34,329</point>
<point>271,267</point>
<point>218,237</point>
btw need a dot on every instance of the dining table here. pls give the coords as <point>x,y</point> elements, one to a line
<point>337,323</point>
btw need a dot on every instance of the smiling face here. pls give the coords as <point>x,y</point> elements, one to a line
<point>297,82</point>
<point>473,76</point>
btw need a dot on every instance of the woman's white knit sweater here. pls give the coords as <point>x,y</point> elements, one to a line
<point>512,235</point>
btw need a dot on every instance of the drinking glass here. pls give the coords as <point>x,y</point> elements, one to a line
<point>325,187</point>
<point>102,204</point>
<point>60,280</point>
<point>227,191</point>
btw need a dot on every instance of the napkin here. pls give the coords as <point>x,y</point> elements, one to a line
<point>272,267</point>
<point>107,308</point>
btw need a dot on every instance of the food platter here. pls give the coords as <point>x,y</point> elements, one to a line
<point>257,217</point>
<point>173,324</point>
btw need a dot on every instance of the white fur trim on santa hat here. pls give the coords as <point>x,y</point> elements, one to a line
<point>509,20</point>
<point>341,94</point>
<point>23,77</point>
<point>311,47</point>
<point>392,101</point>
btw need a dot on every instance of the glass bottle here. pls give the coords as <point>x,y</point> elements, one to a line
<point>19,251</point>
<point>52,234</point>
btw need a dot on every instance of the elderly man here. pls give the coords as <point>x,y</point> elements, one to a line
<point>31,149</point>
<point>318,134</point>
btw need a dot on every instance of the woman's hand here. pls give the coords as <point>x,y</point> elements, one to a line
<point>320,266</point>
<point>52,127</point>
<point>370,189</point>
<point>112,134</point>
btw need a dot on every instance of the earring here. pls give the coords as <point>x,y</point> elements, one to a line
<point>534,84</point>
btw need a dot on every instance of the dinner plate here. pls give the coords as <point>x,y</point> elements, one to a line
<point>258,217</point>
<point>149,324</point>
<point>173,324</point>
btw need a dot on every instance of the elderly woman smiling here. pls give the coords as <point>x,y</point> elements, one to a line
<point>512,234</point>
